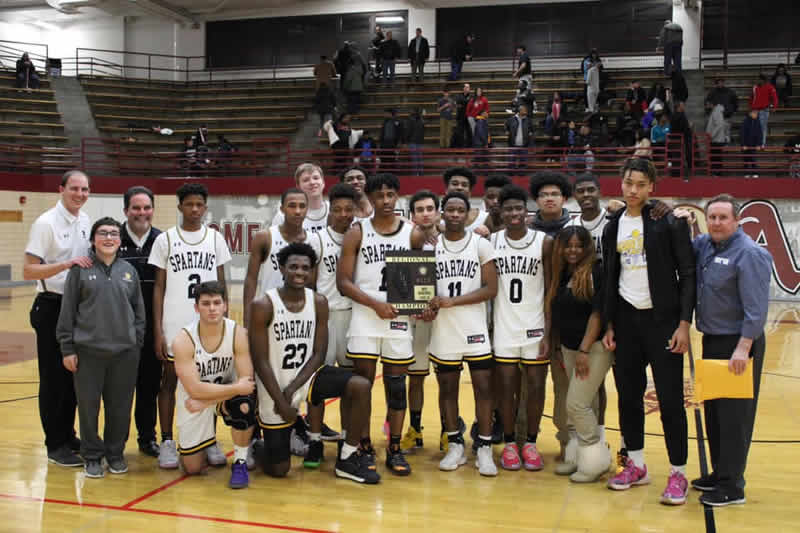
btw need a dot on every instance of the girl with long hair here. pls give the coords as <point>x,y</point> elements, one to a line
<point>574,300</point>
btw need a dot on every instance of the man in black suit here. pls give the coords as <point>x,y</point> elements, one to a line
<point>418,54</point>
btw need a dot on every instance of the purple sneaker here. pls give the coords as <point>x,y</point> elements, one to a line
<point>240,478</point>
<point>630,475</point>
<point>675,493</point>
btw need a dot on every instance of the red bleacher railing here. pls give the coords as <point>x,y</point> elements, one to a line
<point>736,161</point>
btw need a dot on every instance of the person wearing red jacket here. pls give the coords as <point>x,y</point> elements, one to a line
<point>477,109</point>
<point>763,99</point>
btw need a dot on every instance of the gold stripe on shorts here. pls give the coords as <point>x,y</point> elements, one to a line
<point>194,449</point>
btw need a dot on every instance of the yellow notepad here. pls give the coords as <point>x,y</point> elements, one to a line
<point>714,380</point>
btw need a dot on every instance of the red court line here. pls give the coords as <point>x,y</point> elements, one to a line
<point>154,492</point>
<point>263,525</point>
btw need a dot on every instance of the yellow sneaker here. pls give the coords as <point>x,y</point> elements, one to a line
<point>412,440</point>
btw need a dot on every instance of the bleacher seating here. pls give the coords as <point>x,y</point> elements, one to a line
<point>29,118</point>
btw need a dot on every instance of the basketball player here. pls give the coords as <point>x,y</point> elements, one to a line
<point>309,178</point>
<point>263,272</point>
<point>491,200</point>
<point>356,177</point>
<point>463,180</point>
<point>466,277</point>
<point>185,256</point>
<point>289,341</point>
<point>522,256</point>
<point>376,330</point>
<point>212,380</point>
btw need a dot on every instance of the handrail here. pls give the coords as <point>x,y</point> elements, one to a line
<point>32,54</point>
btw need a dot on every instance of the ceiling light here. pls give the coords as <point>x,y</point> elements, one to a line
<point>389,20</point>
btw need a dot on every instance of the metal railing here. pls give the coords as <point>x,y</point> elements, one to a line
<point>722,161</point>
<point>748,57</point>
<point>11,51</point>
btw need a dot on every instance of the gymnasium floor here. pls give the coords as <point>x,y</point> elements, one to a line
<point>35,496</point>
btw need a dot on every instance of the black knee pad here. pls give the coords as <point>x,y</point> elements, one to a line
<point>234,417</point>
<point>396,387</point>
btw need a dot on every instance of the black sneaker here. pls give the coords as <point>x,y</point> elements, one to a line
<point>329,435</point>
<point>396,462</point>
<point>314,455</point>
<point>64,457</point>
<point>117,465</point>
<point>369,457</point>
<point>722,497</point>
<point>705,483</point>
<point>356,468</point>
<point>94,469</point>
<point>150,448</point>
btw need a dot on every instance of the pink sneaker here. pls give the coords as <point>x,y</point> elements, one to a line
<point>629,476</point>
<point>510,458</point>
<point>531,457</point>
<point>675,493</point>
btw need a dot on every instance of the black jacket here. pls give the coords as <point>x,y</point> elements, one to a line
<point>147,273</point>
<point>528,135</point>
<point>670,266</point>
<point>385,141</point>
<point>461,49</point>
<point>424,50</point>
<point>415,130</point>
<point>390,49</point>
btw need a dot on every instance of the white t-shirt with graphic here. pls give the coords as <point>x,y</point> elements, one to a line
<point>634,284</point>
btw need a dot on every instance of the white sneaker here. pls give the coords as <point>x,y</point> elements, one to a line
<point>485,462</point>
<point>168,455</point>
<point>755,176</point>
<point>298,445</point>
<point>251,456</point>
<point>453,458</point>
<point>215,456</point>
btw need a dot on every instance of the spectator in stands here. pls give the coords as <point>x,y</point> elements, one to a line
<point>463,135</point>
<point>324,72</point>
<point>637,98</point>
<point>477,109</point>
<point>524,71</point>
<point>593,56</point>
<point>657,96</point>
<point>680,91</point>
<point>521,135</point>
<point>418,53</point>
<point>643,147</point>
<point>652,117</point>
<point>201,136</point>
<point>446,108</point>
<point>415,138</point>
<point>341,61</point>
<point>718,129</point>
<point>724,96</point>
<point>681,125</point>
<point>581,157</point>
<point>626,127</point>
<point>365,153</point>
<point>660,130</point>
<point>390,53</point>
<point>375,48</point>
<point>752,141</point>
<point>592,87</point>
<point>189,155</point>
<point>461,51</point>
<point>763,100</point>
<point>782,81</point>
<point>671,41</point>
<point>391,137</point>
<point>354,82</point>
<point>225,151</point>
<point>27,78</point>
<point>341,140</point>
<point>555,110</point>
<point>324,105</point>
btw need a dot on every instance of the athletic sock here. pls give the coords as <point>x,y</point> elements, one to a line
<point>416,420</point>
<point>483,440</point>
<point>240,453</point>
<point>344,434</point>
<point>455,437</point>
<point>637,456</point>
<point>347,451</point>
<point>509,437</point>
<point>166,435</point>
<point>532,438</point>
<point>394,443</point>
<point>681,469</point>
<point>314,436</point>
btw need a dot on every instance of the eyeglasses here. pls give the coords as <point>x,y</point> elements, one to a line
<point>549,194</point>
<point>108,234</point>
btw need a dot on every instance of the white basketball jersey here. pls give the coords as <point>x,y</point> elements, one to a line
<point>519,304</point>
<point>269,275</point>
<point>595,227</point>
<point>480,219</point>
<point>315,221</point>
<point>291,344</point>
<point>326,274</point>
<point>188,265</point>
<point>214,364</point>
<point>369,277</point>
<point>462,329</point>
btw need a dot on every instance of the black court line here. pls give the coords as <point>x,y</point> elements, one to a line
<point>788,376</point>
<point>19,399</point>
<point>19,382</point>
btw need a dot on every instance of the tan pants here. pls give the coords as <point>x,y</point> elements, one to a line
<point>445,132</point>
<point>582,400</point>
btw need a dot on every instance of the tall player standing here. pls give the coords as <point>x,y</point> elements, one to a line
<point>522,256</point>
<point>289,340</point>
<point>466,277</point>
<point>212,380</point>
<point>309,178</point>
<point>186,256</point>
<point>377,331</point>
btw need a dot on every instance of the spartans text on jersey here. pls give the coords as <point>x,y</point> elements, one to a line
<point>193,260</point>
<point>292,329</point>
<point>519,264</point>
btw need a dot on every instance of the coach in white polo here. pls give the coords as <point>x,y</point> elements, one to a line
<point>59,238</point>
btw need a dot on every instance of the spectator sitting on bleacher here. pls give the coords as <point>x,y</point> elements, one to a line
<point>365,153</point>
<point>724,96</point>
<point>390,52</point>
<point>764,99</point>
<point>626,127</point>
<point>752,141</point>
<point>652,117</point>
<point>660,130</point>
<point>782,81</point>
<point>324,72</point>
<point>391,137</point>
<point>461,51</point>
<point>191,158</point>
<point>27,78</point>
<point>354,81</point>
<point>201,136</point>
<point>643,147</point>
<point>225,151</point>
<point>637,98</point>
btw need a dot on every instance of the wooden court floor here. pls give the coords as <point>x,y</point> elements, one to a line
<point>35,496</point>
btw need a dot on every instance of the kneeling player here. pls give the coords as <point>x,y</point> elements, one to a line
<point>465,278</point>
<point>289,336</point>
<point>207,378</point>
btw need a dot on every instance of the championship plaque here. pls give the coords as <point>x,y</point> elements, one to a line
<point>410,280</point>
